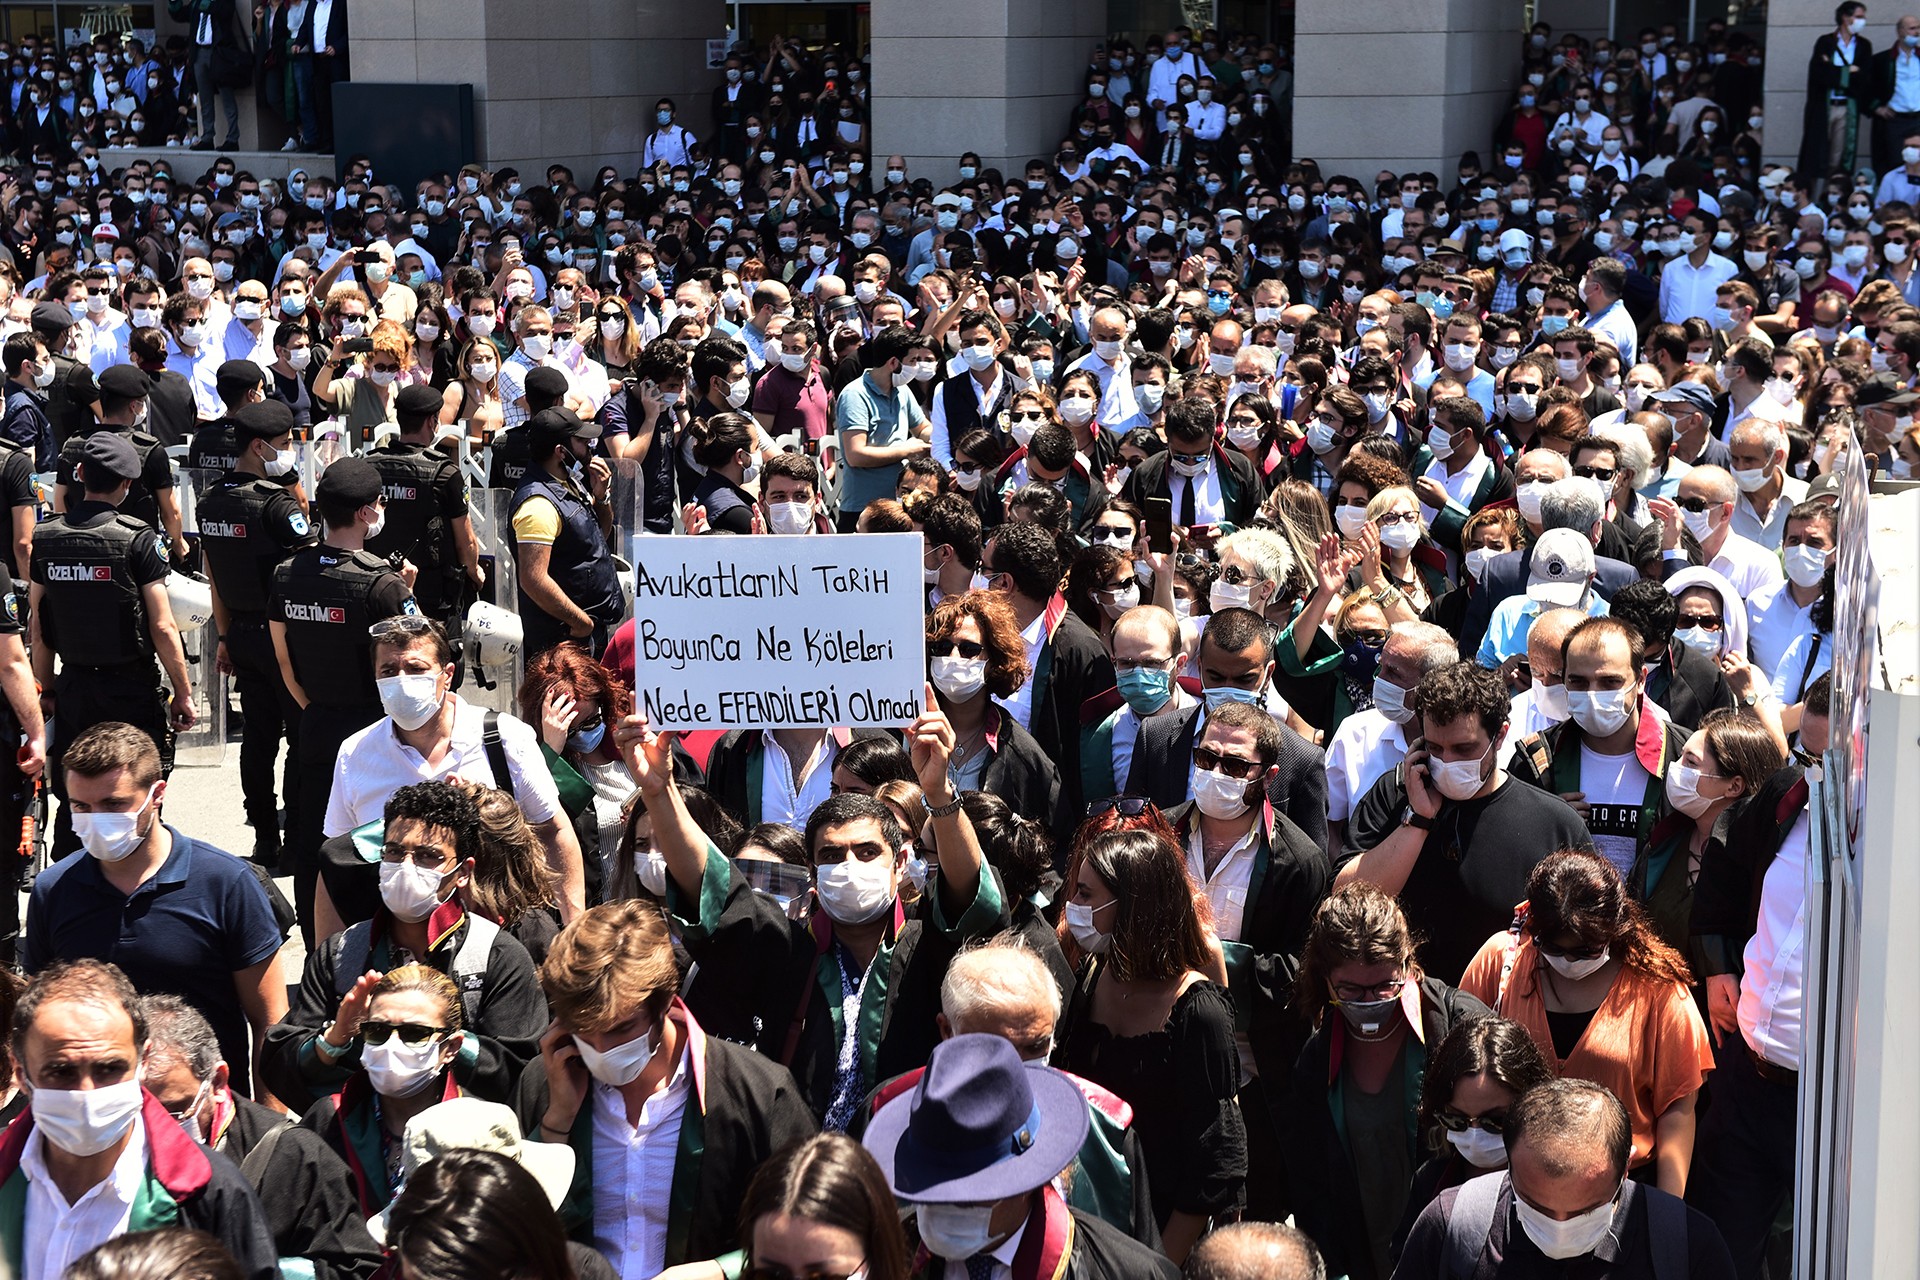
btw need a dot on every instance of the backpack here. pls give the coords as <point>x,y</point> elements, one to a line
<point>1472,1223</point>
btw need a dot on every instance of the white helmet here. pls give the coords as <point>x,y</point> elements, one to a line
<point>192,601</point>
<point>493,635</point>
<point>625,571</point>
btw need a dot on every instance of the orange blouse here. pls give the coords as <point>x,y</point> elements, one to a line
<point>1646,1041</point>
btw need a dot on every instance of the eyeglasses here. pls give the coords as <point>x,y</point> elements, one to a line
<point>1388,990</point>
<point>1397,517</point>
<point>1371,639</point>
<point>419,855</point>
<point>768,1272</point>
<point>1595,473</point>
<point>946,648</point>
<point>1236,767</point>
<point>1706,622</point>
<point>405,624</point>
<point>1546,948</point>
<point>409,1032</point>
<point>1460,1122</point>
<point>1128,806</point>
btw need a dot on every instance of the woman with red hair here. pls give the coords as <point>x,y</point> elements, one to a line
<point>573,699</point>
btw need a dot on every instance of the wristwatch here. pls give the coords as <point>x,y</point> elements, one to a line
<point>1410,817</point>
<point>1751,700</point>
<point>945,810</point>
<point>1390,597</point>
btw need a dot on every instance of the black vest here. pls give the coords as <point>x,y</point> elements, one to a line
<point>68,417</point>
<point>140,502</point>
<point>581,565</point>
<point>91,612</point>
<point>508,466</point>
<point>326,596</point>
<point>214,447</point>
<point>963,408</point>
<point>415,526</point>
<point>241,553</point>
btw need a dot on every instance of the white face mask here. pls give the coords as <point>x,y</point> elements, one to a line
<point>1699,523</point>
<point>1752,480</point>
<point>1219,796</point>
<point>1400,536</point>
<point>1601,712</point>
<point>1571,1238</point>
<point>1458,779</point>
<point>537,345</point>
<point>1700,640</point>
<point>1528,497</point>
<point>959,679</point>
<point>1479,1148</point>
<point>1440,441</point>
<point>1351,520</point>
<point>790,517</point>
<point>1477,562</point>
<point>854,892</point>
<point>955,1231</point>
<point>1806,566</point>
<point>620,1065</point>
<point>1683,790</point>
<point>110,837</point>
<point>1551,699</point>
<point>280,463</point>
<point>1230,595</point>
<point>411,700</point>
<point>1076,411</point>
<point>1080,925</point>
<point>1573,970</point>
<point>411,892</point>
<point>1390,700</point>
<point>85,1122</point>
<point>398,1070</point>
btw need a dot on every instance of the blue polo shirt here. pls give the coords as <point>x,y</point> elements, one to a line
<point>888,417</point>
<point>197,921</point>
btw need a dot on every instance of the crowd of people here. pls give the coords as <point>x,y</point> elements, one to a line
<point>1378,634</point>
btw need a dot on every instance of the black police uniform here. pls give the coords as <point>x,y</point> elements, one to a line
<point>580,565</point>
<point>425,494</point>
<point>327,598</point>
<point>16,491</point>
<point>156,473</point>
<point>16,796</point>
<point>70,399</point>
<point>91,564</point>
<point>248,525</point>
<point>508,465</point>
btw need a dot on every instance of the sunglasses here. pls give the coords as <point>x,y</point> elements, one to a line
<point>405,624</point>
<point>1595,473</point>
<point>1459,1122</point>
<point>1546,948</point>
<point>1706,622</point>
<point>947,648</point>
<point>1129,806</point>
<point>409,1032</point>
<point>1236,767</point>
<point>1695,504</point>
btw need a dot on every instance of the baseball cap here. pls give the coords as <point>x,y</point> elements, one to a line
<point>1561,570</point>
<point>1694,395</point>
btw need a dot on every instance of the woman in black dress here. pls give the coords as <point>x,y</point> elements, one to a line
<point>1148,1023</point>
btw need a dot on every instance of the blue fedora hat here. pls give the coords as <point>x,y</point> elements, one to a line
<point>981,1125</point>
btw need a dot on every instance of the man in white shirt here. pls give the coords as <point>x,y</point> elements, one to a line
<point>1108,330</point>
<point>1370,743</point>
<point>1705,504</point>
<point>100,1155</point>
<point>1779,615</point>
<point>1744,373</point>
<point>430,733</point>
<point>1207,117</point>
<point>1757,450</point>
<point>1690,282</point>
<point>1164,80</point>
<point>1543,703</point>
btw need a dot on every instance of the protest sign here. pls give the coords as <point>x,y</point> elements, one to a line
<point>771,632</point>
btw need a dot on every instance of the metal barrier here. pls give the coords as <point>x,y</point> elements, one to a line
<point>204,745</point>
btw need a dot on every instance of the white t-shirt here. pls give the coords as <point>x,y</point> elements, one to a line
<point>1364,747</point>
<point>374,763</point>
<point>1615,787</point>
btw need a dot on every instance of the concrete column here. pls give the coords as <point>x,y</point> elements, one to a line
<point>555,82</point>
<point>1400,84</point>
<point>997,77</point>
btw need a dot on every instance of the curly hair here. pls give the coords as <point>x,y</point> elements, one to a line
<point>439,804</point>
<point>391,338</point>
<point>573,669</point>
<point>1465,688</point>
<point>510,873</point>
<point>1359,923</point>
<point>1505,520</point>
<point>999,635</point>
<point>1579,892</point>
<point>1370,471</point>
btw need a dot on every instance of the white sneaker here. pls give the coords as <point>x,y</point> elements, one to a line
<point>291,144</point>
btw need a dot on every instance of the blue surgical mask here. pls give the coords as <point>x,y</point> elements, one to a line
<point>587,741</point>
<point>1221,695</point>
<point>1146,689</point>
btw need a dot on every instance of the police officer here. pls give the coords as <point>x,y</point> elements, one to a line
<point>123,405</point>
<point>323,600</point>
<point>22,506</point>
<point>23,757</point>
<point>249,523</point>
<point>427,519</point>
<point>507,468</point>
<point>99,604</point>
<point>569,588</point>
<point>214,448</point>
<point>73,398</point>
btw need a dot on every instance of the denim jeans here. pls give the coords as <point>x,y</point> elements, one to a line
<point>309,115</point>
<point>204,89</point>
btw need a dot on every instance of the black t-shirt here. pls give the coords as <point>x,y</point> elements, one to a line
<point>156,474</point>
<point>1473,869</point>
<point>16,491</point>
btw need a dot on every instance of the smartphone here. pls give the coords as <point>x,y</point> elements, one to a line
<point>364,257</point>
<point>357,346</point>
<point>1160,526</point>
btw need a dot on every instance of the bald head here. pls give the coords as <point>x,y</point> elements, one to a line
<point>1149,625</point>
<point>1548,636</point>
<point>1002,989</point>
<point>1712,483</point>
<point>1570,1129</point>
<point>1421,645</point>
<point>1255,1251</point>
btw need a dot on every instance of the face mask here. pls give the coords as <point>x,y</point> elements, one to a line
<point>1574,970</point>
<point>1401,536</point>
<point>1700,640</point>
<point>620,1065</point>
<point>410,700</point>
<point>410,892</point>
<point>1458,779</point>
<point>1368,1016</point>
<point>1602,711</point>
<point>1351,520</point>
<point>44,377</point>
<point>1460,355</point>
<point>1479,1148</point>
<point>790,517</point>
<point>1230,595</point>
<point>1219,796</point>
<point>1806,566</point>
<point>85,1122</point>
<point>1076,411</point>
<point>398,1070</point>
<point>1749,481</point>
<point>280,463</point>
<point>1146,689</point>
<point>1683,790</point>
<point>110,837</point>
<point>955,1231</point>
<point>1568,1239</point>
<point>1390,700</point>
<point>960,679</point>
<point>854,892</point>
<point>1440,442</point>
<point>1699,523</point>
